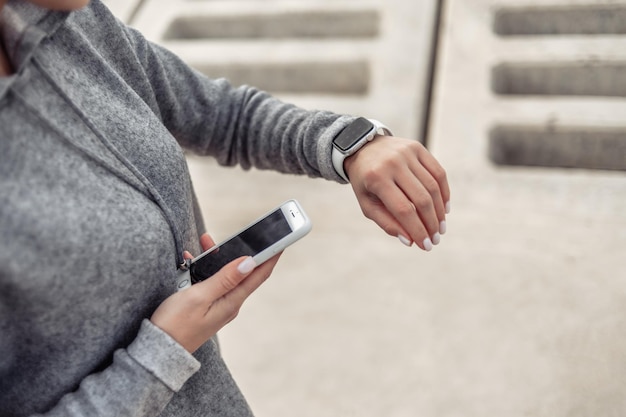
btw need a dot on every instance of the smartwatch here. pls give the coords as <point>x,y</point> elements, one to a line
<point>352,138</point>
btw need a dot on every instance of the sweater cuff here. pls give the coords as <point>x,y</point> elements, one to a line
<point>162,356</point>
<point>325,149</point>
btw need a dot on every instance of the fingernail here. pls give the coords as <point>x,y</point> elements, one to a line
<point>443,227</point>
<point>448,207</point>
<point>405,241</point>
<point>428,245</point>
<point>246,266</point>
<point>436,238</point>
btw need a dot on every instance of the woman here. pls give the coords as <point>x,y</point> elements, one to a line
<point>97,210</point>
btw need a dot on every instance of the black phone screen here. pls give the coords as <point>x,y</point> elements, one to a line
<point>251,241</point>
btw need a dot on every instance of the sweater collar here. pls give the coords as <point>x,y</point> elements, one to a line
<point>24,25</point>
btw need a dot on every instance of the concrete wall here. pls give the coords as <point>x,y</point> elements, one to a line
<point>539,282</point>
<point>365,57</point>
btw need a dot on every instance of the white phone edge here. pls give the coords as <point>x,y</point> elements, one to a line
<point>300,226</point>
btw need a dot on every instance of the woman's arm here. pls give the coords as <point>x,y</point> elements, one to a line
<point>144,377</point>
<point>398,183</point>
<point>238,126</point>
<point>140,382</point>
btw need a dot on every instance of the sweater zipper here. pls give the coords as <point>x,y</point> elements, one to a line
<point>152,194</point>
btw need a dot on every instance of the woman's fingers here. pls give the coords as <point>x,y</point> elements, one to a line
<point>206,242</point>
<point>402,188</point>
<point>193,316</point>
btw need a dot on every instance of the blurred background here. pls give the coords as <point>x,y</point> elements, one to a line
<point>521,310</point>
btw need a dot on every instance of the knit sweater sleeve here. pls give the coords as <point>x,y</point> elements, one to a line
<point>238,126</point>
<point>141,381</point>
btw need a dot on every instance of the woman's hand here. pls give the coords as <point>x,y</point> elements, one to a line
<point>193,316</point>
<point>402,188</point>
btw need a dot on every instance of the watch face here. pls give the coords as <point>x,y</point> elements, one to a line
<point>354,132</point>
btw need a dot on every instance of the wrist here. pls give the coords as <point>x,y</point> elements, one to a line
<point>351,159</point>
<point>163,356</point>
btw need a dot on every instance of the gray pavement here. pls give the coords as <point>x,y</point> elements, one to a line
<point>521,309</point>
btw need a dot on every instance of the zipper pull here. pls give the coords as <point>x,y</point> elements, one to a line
<point>185,265</point>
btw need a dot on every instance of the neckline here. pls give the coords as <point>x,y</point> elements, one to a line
<point>5,83</point>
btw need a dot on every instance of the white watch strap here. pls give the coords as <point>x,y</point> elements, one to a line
<point>338,157</point>
<point>381,129</point>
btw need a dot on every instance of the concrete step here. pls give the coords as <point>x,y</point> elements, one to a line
<point>560,19</point>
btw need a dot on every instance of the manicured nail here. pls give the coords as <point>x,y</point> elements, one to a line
<point>428,245</point>
<point>443,227</point>
<point>246,266</point>
<point>405,241</point>
<point>448,207</point>
<point>436,238</point>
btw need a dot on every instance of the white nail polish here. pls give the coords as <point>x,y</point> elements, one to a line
<point>428,245</point>
<point>448,207</point>
<point>436,238</point>
<point>246,266</point>
<point>405,241</point>
<point>443,227</point>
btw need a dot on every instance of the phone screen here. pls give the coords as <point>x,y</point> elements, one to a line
<point>251,241</point>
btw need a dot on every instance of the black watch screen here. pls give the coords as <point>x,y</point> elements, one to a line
<point>352,133</point>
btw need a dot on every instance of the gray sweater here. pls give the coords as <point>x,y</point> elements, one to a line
<point>96,207</point>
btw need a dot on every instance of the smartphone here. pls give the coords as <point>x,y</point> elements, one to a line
<point>261,239</point>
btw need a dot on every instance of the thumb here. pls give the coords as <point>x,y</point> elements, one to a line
<point>227,278</point>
